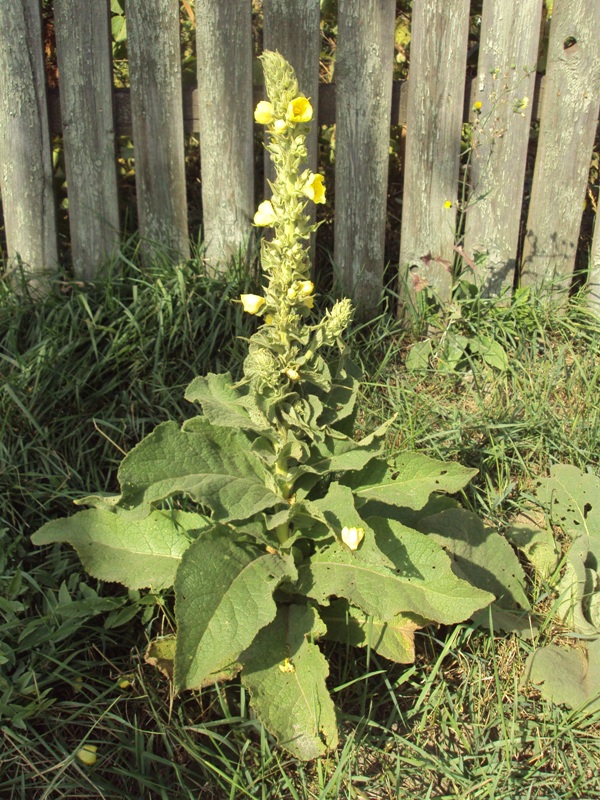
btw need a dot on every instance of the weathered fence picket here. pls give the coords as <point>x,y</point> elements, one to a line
<point>224,40</point>
<point>505,83</point>
<point>436,89</point>
<point>567,129</point>
<point>85,66</point>
<point>490,194</point>
<point>365,55</point>
<point>25,153</point>
<point>157,115</point>
<point>292,28</point>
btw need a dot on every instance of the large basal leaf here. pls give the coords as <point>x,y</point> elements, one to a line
<point>567,676</point>
<point>285,674</point>
<point>394,639</point>
<point>409,481</point>
<point>223,597</point>
<point>212,465</point>
<point>222,404</point>
<point>480,555</point>
<point>403,571</point>
<point>573,499</point>
<point>113,547</point>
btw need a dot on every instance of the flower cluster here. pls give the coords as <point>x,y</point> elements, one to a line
<point>284,349</point>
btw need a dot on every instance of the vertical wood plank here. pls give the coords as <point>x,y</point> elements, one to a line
<point>438,53</point>
<point>157,116</point>
<point>292,28</point>
<point>224,39</point>
<point>504,86</point>
<point>593,283</point>
<point>364,71</point>
<point>25,150</point>
<point>85,74</point>
<point>567,129</point>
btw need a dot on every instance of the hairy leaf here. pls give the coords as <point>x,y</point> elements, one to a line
<point>223,597</point>
<point>285,674</point>
<point>567,675</point>
<point>402,572</point>
<point>409,481</point>
<point>212,465</point>
<point>223,405</point>
<point>480,555</point>
<point>394,639</point>
<point>573,499</point>
<point>113,547</point>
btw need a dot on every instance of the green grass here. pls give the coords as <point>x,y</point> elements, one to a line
<point>88,373</point>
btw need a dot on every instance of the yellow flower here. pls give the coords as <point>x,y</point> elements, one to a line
<point>252,303</point>
<point>477,105</point>
<point>309,302</point>
<point>280,125</point>
<point>292,374</point>
<point>315,188</point>
<point>305,288</point>
<point>265,214</point>
<point>87,754</point>
<point>299,110</point>
<point>352,537</point>
<point>263,113</point>
<point>448,204</point>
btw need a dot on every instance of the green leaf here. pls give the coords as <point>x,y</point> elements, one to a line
<point>342,454</point>
<point>337,509</point>
<point>567,676</point>
<point>578,589</point>
<point>403,571</point>
<point>490,351</point>
<point>285,674</point>
<point>340,401</point>
<point>536,542</point>
<point>452,353</point>
<point>573,499</point>
<point>223,597</point>
<point>480,555</point>
<point>409,481</point>
<point>212,465</point>
<point>394,639</point>
<point>223,405</point>
<point>113,547</point>
<point>419,355</point>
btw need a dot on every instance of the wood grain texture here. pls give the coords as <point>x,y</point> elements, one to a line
<point>25,150</point>
<point>567,130</point>
<point>436,90</point>
<point>504,86</point>
<point>157,115</point>
<point>364,71</point>
<point>292,28</point>
<point>226,127</point>
<point>85,71</point>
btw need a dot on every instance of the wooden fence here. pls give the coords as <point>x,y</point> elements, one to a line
<point>364,102</point>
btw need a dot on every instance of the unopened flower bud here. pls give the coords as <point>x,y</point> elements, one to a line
<point>263,113</point>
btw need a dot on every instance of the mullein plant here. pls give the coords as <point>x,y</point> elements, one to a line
<point>276,526</point>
